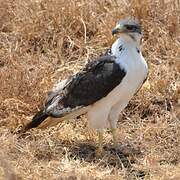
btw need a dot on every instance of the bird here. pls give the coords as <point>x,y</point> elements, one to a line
<point>103,88</point>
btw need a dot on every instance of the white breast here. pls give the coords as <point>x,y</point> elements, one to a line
<point>136,72</point>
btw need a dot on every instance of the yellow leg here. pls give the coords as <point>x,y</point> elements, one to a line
<point>100,151</point>
<point>114,130</point>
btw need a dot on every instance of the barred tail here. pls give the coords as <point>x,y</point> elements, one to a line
<point>36,120</point>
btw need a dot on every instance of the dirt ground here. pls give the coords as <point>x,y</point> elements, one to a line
<point>43,41</point>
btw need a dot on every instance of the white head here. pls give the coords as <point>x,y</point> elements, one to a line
<point>130,28</point>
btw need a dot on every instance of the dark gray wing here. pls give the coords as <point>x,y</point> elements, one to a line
<point>96,80</point>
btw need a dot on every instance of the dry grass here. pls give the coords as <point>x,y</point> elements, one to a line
<point>42,41</point>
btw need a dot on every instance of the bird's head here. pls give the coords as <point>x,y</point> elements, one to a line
<point>128,27</point>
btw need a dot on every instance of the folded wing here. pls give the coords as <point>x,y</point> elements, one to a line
<point>94,82</point>
<point>71,97</point>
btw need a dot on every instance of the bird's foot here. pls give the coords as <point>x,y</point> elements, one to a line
<point>100,152</point>
<point>116,146</point>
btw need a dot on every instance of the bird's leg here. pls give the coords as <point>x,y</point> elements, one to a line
<point>100,150</point>
<point>114,134</point>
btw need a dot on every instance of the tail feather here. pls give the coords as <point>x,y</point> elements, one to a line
<point>36,120</point>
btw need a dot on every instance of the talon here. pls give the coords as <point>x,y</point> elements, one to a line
<point>115,146</point>
<point>99,152</point>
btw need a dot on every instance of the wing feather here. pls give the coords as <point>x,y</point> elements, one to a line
<point>94,82</point>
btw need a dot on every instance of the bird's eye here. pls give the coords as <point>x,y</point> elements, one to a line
<point>128,27</point>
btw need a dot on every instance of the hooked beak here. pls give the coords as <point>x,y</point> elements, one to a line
<point>118,29</point>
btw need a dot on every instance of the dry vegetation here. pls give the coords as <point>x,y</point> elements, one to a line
<point>42,41</point>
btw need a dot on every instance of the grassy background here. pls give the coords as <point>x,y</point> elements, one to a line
<point>42,41</point>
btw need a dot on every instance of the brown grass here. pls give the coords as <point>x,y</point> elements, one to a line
<point>43,41</point>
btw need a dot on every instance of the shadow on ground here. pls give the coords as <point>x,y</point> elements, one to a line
<point>123,157</point>
<point>120,157</point>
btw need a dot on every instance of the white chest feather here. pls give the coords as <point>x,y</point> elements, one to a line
<point>130,58</point>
